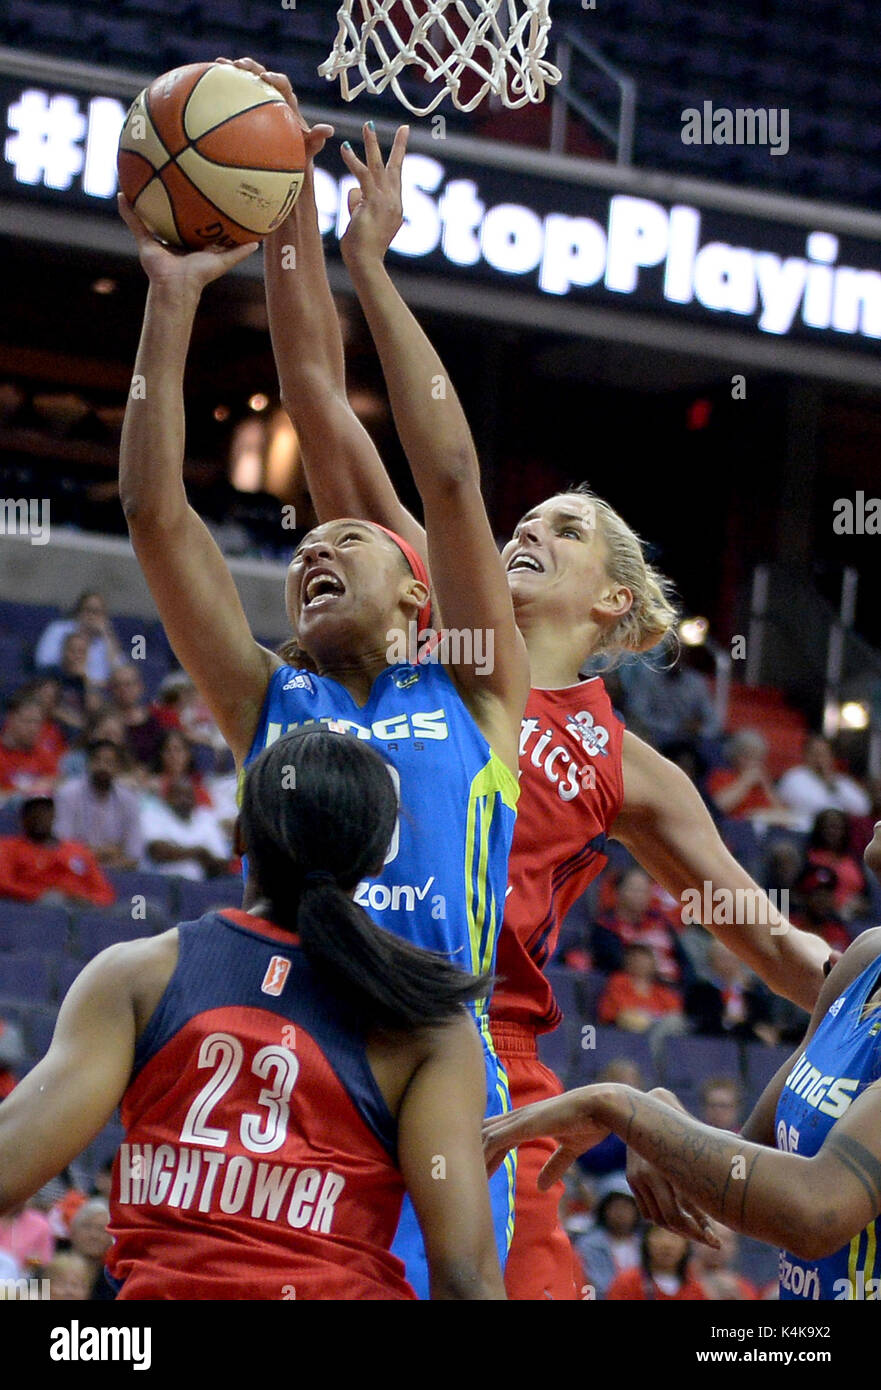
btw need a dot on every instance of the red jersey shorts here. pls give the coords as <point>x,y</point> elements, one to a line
<point>541,1262</point>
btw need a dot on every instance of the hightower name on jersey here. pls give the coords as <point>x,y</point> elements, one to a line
<point>173,1176</point>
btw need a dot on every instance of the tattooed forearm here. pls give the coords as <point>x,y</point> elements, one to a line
<point>746,1186</point>
<point>858,1161</point>
<point>691,1155</point>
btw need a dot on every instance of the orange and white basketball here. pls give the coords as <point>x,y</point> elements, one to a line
<point>211,155</point>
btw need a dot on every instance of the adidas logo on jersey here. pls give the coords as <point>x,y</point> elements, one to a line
<point>301,681</point>
<point>834,1008</point>
<point>276,973</point>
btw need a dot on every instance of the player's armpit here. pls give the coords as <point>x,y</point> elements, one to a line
<point>59,1107</point>
<point>441,1158</point>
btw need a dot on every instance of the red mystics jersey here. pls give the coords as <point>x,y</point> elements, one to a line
<point>259,1155</point>
<point>571,791</point>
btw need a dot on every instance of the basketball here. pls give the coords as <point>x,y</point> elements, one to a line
<point>210,155</point>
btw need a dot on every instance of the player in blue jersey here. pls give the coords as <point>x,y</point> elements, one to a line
<point>817,1194</point>
<point>356,597</point>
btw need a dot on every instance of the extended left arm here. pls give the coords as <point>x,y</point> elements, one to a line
<point>668,829</point>
<point>70,1095</point>
<point>469,580</point>
<point>810,1206</point>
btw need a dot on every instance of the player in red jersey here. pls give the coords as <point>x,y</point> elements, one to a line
<point>581,586</point>
<point>283,1073</point>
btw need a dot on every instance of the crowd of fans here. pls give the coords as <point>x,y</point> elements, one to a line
<point>97,777</point>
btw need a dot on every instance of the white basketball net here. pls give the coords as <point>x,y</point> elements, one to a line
<point>502,42</point>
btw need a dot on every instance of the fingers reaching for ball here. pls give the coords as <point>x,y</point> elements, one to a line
<point>315,137</point>
<point>376,208</point>
<point>167,267</point>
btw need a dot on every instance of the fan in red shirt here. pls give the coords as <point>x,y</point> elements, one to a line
<point>34,863</point>
<point>662,1273</point>
<point>27,764</point>
<point>633,998</point>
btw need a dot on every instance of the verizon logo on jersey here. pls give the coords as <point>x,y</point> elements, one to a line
<point>192,1179</point>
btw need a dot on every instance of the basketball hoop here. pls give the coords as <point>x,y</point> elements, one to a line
<point>500,42</point>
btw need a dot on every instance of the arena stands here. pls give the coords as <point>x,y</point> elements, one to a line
<point>814,60</point>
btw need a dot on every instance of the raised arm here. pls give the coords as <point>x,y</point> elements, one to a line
<point>188,576</point>
<point>344,472</point>
<point>439,1123</point>
<point>668,829</point>
<point>467,572</point>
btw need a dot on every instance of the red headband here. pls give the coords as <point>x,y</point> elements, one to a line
<point>419,568</point>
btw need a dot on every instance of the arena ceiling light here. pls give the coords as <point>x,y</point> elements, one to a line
<point>693,632</point>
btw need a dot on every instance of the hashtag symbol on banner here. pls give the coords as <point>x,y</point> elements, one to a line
<point>45,147</point>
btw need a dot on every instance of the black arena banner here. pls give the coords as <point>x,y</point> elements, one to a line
<point>560,240</point>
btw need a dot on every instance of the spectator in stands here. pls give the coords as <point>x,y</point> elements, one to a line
<point>99,812</point>
<point>70,1277</point>
<point>27,767</point>
<point>89,617</point>
<point>721,1102</point>
<point>12,1055</point>
<point>667,706</point>
<point>745,789</point>
<point>785,863</point>
<point>633,998</point>
<point>829,848</point>
<point>35,866</point>
<point>814,785</point>
<point>634,919</point>
<point>80,697</point>
<point>143,731</point>
<point>102,1184</point>
<point>662,1273</point>
<point>91,1239</point>
<point>729,1000</point>
<point>610,1155</point>
<point>181,838</point>
<point>46,690</point>
<point>862,828</point>
<point>716,1269</point>
<point>105,726</point>
<point>180,706</point>
<point>25,1234</point>
<point>611,1244</point>
<point>815,911</point>
<point>175,764</point>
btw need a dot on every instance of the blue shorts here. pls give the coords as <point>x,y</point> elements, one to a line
<point>408,1244</point>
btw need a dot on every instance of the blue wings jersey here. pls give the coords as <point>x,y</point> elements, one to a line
<point>445,876</point>
<point>840,1061</point>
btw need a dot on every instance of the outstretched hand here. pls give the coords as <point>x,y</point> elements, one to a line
<point>314,137</point>
<point>191,270</point>
<point>566,1118</point>
<point>659,1202</point>
<point>376,205</point>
